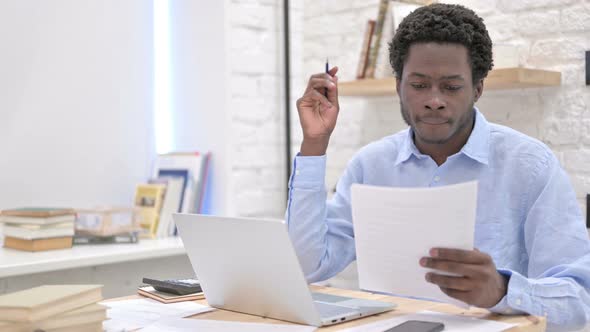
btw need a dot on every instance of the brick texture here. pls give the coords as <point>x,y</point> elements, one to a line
<point>257,144</point>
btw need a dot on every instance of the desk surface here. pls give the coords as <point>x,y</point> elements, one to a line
<point>405,306</point>
<point>16,262</point>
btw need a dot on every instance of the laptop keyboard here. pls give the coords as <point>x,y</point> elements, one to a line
<point>327,310</point>
<point>323,297</point>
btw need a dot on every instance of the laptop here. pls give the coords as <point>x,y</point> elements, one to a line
<point>249,265</point>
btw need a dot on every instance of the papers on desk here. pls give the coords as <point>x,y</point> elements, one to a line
<point>395,227</point>
<point>453,323</point>
<point>129,315</point>
<point>203,325</point>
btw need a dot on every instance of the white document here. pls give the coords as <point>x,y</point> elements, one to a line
<point>453,323</point>
<point>134,314</point>
<point>395,227</point>
<point>204,325</point>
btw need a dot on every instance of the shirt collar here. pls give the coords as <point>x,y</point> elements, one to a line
<point>476,148</point>
<point>478,144</point>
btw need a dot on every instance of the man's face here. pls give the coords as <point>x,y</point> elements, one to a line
<point>436,92</point>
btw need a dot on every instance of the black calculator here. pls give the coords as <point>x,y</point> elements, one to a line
<point>175,286</point>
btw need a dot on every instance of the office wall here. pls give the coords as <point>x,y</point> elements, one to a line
<point>551,34</point>
<point>76,118</point>
<point>228,89</point>
<point>199,88</point>
<point>256,102</point>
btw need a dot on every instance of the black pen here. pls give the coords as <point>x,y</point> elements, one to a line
<point>327,72</point>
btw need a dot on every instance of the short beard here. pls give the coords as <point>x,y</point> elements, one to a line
<point>463,123</point>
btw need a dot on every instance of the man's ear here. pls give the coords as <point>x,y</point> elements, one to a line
<point>398,84</point>
<point>478,87</point>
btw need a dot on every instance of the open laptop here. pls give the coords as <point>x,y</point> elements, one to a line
<point>249,265</point>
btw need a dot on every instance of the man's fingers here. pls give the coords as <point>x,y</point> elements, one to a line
<point>468,270</point>
<point>457,294</point>
<point>320,83</point>
<point>325,76</point>
<point>463,256</point>
<point>456,283</point>
<point>315,96</point>
<point>333,71</point>
<point>325,82</point>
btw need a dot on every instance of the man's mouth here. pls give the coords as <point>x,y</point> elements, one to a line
<point>434,121</point>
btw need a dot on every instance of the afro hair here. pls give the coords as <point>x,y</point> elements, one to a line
<point>443,23</point>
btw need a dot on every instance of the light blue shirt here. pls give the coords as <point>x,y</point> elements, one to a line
<point>527,220</point>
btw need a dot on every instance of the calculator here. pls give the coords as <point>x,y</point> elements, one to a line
<point>175,286</point>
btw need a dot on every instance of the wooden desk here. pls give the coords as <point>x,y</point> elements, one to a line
<point>405,306</point>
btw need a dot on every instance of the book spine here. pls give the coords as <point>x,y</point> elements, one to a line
<point>364,58</point>
<point>383,6</point>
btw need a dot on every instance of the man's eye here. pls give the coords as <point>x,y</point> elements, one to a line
<point>418,85</point>
<point>453,87</point>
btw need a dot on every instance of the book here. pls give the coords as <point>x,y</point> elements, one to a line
<point>376,43</point>
<point>398,10</point>
<point>38,244</point>
<point>149,291</point>
<point>42,302</point>
<point>197,164</point>
<point>37,220</point>
<point>31,232</point>
<point>107,239</point>
<point>187,182</point>
<point>382,64</point>
<point>38,212</point>
<point>364,57</point>
<point>89,314</point>
<point>171,204</point>
<point>149,199</point>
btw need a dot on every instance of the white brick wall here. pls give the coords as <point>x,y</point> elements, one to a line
<point>550,34</point>
<point>257,93</point>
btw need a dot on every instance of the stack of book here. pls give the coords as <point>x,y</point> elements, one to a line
<point>38,229</point>
<point>53,308</point>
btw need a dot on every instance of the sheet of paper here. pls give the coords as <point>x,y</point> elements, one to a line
<point>453,323</point>
<point>204,325</point>
<point>129,315</point>
<point>395,227</point>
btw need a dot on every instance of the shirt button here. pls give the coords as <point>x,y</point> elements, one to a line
<point>518,301</point>
<point>436,178</point>
<point>297,172</point>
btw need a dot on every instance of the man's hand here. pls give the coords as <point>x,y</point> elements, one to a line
<point>317,113</point>
<point>478,283</point>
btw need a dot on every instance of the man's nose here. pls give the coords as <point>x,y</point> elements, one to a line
<point>435,103</point>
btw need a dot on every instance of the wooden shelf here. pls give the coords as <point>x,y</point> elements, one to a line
<point>498,79</point>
